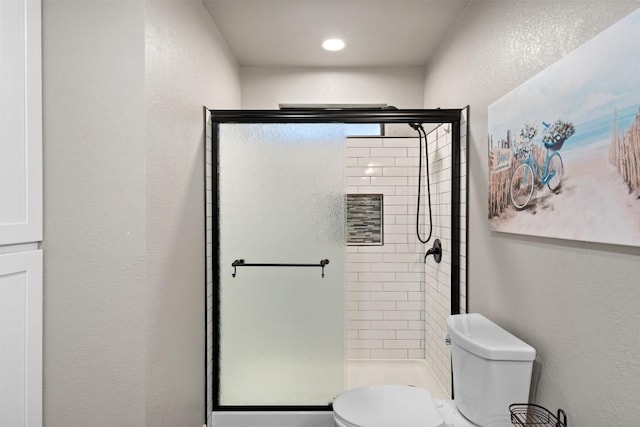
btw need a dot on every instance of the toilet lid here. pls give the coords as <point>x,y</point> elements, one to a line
<point>387,405</point>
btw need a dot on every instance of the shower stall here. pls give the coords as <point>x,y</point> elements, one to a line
<point>315,272</point>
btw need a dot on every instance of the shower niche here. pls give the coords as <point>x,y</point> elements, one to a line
<point>365,219</point>
<point>289,189</point>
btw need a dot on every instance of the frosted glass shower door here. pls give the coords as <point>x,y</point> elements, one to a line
<point>281,200</point>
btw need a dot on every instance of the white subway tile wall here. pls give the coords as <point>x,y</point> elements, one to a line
<point>438,288</point>
<point>463,209</point>
<point>438,284</point>
<point>385,284</point>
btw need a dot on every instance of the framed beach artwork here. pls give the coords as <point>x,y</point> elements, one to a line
<point>564,147</point>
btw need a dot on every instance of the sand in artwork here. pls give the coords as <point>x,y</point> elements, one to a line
<point>593,203</point>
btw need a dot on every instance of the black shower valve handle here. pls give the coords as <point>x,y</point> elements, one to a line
<point>436,251</point>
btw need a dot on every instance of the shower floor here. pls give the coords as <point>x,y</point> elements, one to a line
<point>360,373</point>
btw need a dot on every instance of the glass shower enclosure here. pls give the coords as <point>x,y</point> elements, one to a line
<point>281,212</point>
<point>276,253</point>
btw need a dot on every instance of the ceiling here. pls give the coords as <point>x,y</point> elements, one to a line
<point>377,32</point>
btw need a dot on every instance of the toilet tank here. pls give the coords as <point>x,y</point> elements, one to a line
<point>491,369</point>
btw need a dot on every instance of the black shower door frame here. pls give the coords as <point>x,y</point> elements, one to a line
<point>313,115</point>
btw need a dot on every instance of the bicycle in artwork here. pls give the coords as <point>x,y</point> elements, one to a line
<point>530,171</point>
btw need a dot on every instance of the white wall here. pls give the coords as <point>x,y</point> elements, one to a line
<point>266,87</point>
<point>124,87</point>
<point>94,213</point>
<point>188,66</point>
<point>576,303</point>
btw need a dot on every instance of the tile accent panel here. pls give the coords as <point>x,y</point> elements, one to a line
<point>364,219</point>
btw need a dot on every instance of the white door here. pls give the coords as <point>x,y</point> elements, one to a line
<point>20,122</point>
<point>21,339</point>
<point>20,213</point>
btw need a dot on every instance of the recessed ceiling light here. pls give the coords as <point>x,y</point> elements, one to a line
<point>333,44</point>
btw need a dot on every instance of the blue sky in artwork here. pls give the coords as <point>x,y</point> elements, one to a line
<point>586,87</point>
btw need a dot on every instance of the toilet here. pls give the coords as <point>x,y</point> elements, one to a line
<point>491,370</point>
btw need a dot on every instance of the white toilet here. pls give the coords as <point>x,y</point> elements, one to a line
<point>491,370</point>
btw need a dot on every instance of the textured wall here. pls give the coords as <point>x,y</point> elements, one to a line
<point>124,87</point>
<point>94,213</point>
<point>264,87</point>
<point>576,303</point>
<point>188,65</point>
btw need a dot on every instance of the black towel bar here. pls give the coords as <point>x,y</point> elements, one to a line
<point>242,263</point>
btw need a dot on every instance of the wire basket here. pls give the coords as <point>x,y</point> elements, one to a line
<point>556,134</point>
<point>529,415</point>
